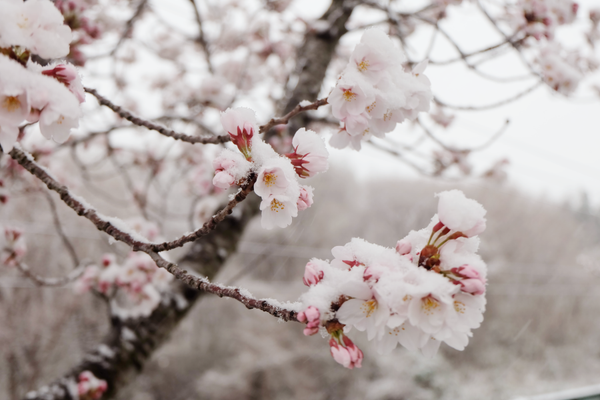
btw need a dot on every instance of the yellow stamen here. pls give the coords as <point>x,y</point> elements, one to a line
<point>371,107</point>
<point>368,307</point>
<point>429,305</point>
<point>269,179</point>
<point>363,65</point>
<point>349,95</point>
<point>276,205</point>
<point>459,306</point>
<point>11,103</point>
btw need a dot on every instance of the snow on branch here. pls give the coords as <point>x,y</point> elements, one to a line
<point>285,311</point>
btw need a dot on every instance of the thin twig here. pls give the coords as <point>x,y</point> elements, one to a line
<point>129,25</point>
<point>58,226</point>
<point>105,224</point>
<point>152,126</point>
<point>297,110</point>
<point>201,40</point>
<point>201,283</point>
<point>493,105</point>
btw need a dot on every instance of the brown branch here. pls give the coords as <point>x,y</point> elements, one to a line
<point>203,284</point>
<point>245,190</point>
<point>297,110</point>
<point>103,223</point>
<point>152,126</point>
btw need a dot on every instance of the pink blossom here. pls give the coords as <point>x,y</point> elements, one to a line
<point>349,99</point>
<point>67,75</point>
<point>230,167</point>
<point>278,210</point>
<point>471,282</point>
<point>271,180</point>
<point>90,387</point>
<point>347,353</point>
<point>241,125</point>
<point>310,155</point>
<point>306,198</point>
<point>313,273</point>
<point>312,316</point>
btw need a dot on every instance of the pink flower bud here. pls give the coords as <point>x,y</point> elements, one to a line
<point>348,354</point>
<point>312,316</point>
<point>223,180</point>
<point>472,281</point>
<point>312,274</point>
<point>473,286</point>
<point>403,247</point>
<point>306,198</point>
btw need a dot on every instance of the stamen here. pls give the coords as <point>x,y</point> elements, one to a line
<point>11,103</point>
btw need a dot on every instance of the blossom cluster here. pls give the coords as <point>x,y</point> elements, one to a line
<point>428,290</point>
<point>12,246</point>
<point>540,18</point>
<point>29,92</point>
<point>559,68</point>
<point>89,387</point>
<point>134,286</point>
<point>277,176</point>
<point>83,29</point>
<point>374,93</point>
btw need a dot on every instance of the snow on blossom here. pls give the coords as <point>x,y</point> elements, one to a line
<point>240,124</point>
<point>230,168</point>
<point>28,95</point>
<point>67,75</point>
<point>89,387</point>
<point>374,92</point>
<point>429,290</point>
<point>310,155</point>
<point>36,25</point>
<point>461,214</point>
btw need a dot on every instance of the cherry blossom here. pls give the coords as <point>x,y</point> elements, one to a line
<point>310,155</point>
<point>89,387</point>
<point>427,291</point>
<point>240,124</point>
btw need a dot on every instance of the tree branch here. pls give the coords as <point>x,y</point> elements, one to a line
<point>217,139</point>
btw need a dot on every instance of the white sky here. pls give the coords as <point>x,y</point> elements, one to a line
<point>552,142</point>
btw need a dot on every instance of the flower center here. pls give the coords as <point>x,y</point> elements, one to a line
<point>269,179</point>
<point>429,305</point>
<point>371,107</point>
<point>276,205</point>
<point>11,103</point>
<point>349,95</point>
<point>459,306</point>
<point>368,307</point>
<point>363,65</point>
